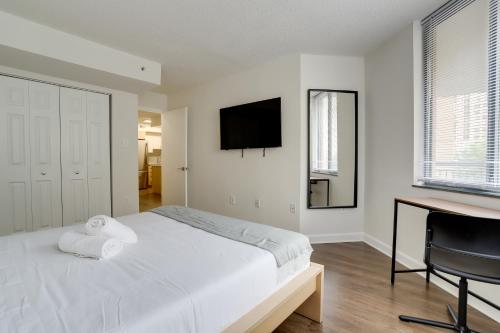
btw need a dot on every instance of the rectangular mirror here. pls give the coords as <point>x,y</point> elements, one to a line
<point>333,148</point>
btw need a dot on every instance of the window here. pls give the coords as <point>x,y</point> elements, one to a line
<point>461,97</point>
<point>324,123</point>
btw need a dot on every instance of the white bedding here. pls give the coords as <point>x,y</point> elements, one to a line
<point>175,279</point>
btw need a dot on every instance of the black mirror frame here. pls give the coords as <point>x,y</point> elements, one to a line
<point>355,198</point>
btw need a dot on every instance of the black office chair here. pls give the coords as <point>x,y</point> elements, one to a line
<point>464,246</point>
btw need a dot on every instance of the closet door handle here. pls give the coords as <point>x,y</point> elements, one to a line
<point>43,173</point>
<point>77,172</point>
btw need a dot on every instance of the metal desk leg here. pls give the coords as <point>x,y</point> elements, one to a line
<point>394,238</point>
<point>427,267</point>
<point>328,192</point>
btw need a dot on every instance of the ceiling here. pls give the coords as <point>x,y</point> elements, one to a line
<point>199,40</point>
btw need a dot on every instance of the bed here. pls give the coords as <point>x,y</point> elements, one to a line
<point>176,279</point>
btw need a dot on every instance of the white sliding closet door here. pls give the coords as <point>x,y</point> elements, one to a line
<point>15,189</point>
<point>73,104</point>
<point>54,155</point>
<point>98,154</point>
<point>45,155</point>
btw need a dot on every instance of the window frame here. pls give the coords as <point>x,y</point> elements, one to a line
<point>493,108</point>
<point>329,171</point>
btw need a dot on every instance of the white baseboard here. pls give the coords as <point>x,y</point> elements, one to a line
<point>386,249</point>
<point>336,238</point>
<point>412,263</point>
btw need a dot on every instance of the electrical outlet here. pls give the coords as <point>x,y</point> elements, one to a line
<point>232,200</point>
<point>292,208</point>
<point>258,203</point>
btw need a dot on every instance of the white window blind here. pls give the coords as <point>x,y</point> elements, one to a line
<point>324,128</point>
<point>461,96</point>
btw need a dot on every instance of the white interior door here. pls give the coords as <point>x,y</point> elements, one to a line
<point>99,186</point>
<point>175,164</point>
<point>45,155</point>
<point>15,189</point>
<point>74,155</point>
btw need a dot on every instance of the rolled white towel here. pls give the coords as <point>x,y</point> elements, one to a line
<point>98,247</point>
<point>109,227</point>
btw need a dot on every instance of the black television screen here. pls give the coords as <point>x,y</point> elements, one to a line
<point>252,125</point>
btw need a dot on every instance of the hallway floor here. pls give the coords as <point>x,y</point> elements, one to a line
<point>148,200</point>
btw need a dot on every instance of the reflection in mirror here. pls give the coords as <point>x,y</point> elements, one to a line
<point>332,169</point>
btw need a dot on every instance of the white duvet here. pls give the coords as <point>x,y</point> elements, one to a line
<point>175,279</point>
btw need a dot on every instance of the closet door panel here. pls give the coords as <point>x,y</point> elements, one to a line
<point>98,154</point>
<point>15,189</point>
<point>74,155</point>
<point>45,155</point>
<point>18,212</point>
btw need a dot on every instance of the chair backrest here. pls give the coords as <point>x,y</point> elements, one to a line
<point>464,236</point>
<point>467,234</point>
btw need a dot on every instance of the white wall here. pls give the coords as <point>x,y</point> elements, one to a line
<point>125,195</point>
<point>151,101</point>
<point>340,73</point>
<point>280,178</point>
<point>215,174</point>
<point>390,157</point>
<point>124,153</point>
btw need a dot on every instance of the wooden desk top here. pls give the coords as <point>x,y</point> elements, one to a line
<point>450,207</point>
<point>319,178</point>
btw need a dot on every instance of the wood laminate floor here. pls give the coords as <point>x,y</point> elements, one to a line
<point>359,297</point>
<point>148,200</point>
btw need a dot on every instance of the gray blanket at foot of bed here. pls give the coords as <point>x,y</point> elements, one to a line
<point>285,245</point>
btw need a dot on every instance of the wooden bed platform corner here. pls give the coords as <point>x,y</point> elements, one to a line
<point>303,295</point>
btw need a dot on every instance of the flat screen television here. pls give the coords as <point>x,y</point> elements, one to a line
<point>252,125</point>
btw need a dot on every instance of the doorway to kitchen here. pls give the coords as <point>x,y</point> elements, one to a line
<point>149,160</point>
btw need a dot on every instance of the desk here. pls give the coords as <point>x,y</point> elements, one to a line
<point>315,180</point>
<point>437,205</point>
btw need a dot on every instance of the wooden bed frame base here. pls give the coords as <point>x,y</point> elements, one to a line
<point>303,295</point>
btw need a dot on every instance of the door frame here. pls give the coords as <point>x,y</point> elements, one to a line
<point>164,160</point>
<point>160,111</point>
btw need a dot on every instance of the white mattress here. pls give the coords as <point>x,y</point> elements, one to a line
<point>176,279</point>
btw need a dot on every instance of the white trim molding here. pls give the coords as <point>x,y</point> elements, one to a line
<point>386,249</point>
